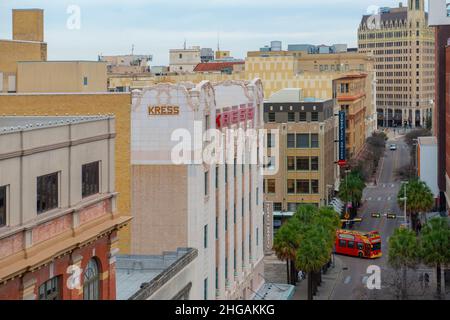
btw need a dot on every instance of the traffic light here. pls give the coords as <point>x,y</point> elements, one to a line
<point>376,215</point>
<point>391,216</point>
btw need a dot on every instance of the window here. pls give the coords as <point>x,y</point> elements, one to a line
<point>314,116</point>
<point>314,140</point>
<point>50,290</point>
<point>271,186</point>
<point>291,163</point>
<point>91,287</point>
<point>302,140</point>
<point>303,187</point>
<point>47,192</point>
<point>277,206</point>
<point>291,140</point>
<point>205,236</point>
<point>85,81</point>
<point>291,186</point>
<point>226,173</point>
<point>2,206</point>
<point>226,219</point>
<point>206,183</point>
<point>303,116</point>
<point>360,246</point>
<point>270,140</point>
<point>351,244</point>
<point>344,87</point>
<point>314,164</point>
<point>271,117</point>
<point>217,177</point>
<point>180,56</point>
<point>217,228</point>
<point>90,179</point>
<point>257,236</point>
<point>205,289</point>
<point>292,207</point>
<point>342,243</point>
<point>217,278</point>
<point>291,116</point>
<point>302,164</point>
<point>315,186</point>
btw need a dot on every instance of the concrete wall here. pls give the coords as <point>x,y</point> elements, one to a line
<point>61,76</point>
<point>62,104</point>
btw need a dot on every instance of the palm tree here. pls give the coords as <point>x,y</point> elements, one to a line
<point>403,254</point>
<point>419,199</point>
<point>285,246</point>
<point>435,247</point>
<point>313,253</point>
<point>351,189</point>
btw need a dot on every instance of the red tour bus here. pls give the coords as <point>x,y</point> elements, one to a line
<point>358,244</point>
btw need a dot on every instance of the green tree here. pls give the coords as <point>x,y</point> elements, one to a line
<point>285,245</point>
<point>403,254</point>
<point>313,253</point>
<point>435,246</point>
<point>419,199</point>
<point>351,189</point>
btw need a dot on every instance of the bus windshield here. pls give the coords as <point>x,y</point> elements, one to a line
<point>376,246</point>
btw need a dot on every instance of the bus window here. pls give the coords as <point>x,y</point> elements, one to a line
<point>360,246</point>
<point>351,244</point>
<point>376,246</point>
<point>342,243</point>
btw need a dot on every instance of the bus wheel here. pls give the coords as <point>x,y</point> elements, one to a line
<point>360,254</point>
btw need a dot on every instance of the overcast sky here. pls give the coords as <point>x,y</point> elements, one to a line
<point>155,26</point>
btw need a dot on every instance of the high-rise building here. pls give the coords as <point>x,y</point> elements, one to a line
<point>182,200</point>
<point>403,47</point>
<point>305,171</point>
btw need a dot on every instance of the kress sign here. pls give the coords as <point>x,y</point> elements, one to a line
<point>163,110</point>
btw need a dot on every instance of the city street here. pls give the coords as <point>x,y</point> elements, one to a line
<point>381,198</point>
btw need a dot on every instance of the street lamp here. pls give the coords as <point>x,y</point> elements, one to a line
<point>405,183</point>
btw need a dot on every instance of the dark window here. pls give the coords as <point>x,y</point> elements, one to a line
<point>217,228</point>
<point>217,177</point>
<point>315,186</point>
<point>2,206</point>
<point>376,246</point>
<point>271,117</point>
<point>226,219</point>
<point>314,140</point>
<point>205,289</point>
<point>302,164</point>
<point>85,81</point>
<point>90,179</point>
<point>206,183</point>
<point>47,192</point>
<point>291,116</point>
<point>291,186</point>
<point>314,116</point>
<point>303,187</point>
<point>50,290</point>
<point>277,206</point>
<point>226,173</point>
<point>302,116</point>
<point>302,140</point>
<point>271,186</point>
<point>360,246</point>
<point>217,278</point>
<point>205,236</point>
<point>291,163</point>
<point>91,288</point>
<point>314,164</point>
<point>270,140</point>
<point>342,243</point>
<point>351,244</point>
<point>291,140</point>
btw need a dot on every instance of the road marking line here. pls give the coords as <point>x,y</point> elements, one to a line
<point>379,199</point>
<point>389,198</point>
<point>348,279</point>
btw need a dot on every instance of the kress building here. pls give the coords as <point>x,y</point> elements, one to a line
<point>215,209</point>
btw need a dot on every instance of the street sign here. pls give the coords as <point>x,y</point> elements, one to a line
<point>342,137</point>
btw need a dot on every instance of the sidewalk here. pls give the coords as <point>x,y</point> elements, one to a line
<point>326,289</point>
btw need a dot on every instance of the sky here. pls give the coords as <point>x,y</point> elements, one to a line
<point>111,27</point>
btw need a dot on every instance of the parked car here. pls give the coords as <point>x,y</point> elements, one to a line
<point>393,147</point>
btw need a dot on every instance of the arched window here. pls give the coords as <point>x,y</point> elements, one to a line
<point>91,281</point>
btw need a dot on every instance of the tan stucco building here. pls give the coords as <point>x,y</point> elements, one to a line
<point>403,47</point>
<point>27,44</point>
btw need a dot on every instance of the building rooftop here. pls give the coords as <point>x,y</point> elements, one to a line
<point>271,291</point>
<point>9,124</point>
<point>429,141</point>
<point>137,273</point>
<point>215,66</point>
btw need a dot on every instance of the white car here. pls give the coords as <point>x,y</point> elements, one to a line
<point>393,147</point>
